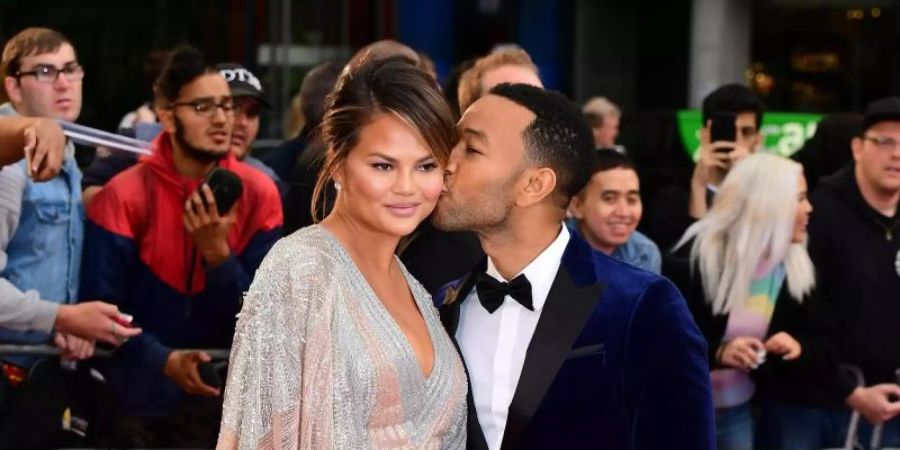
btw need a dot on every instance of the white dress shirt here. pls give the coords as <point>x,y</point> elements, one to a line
<point>494,345</point>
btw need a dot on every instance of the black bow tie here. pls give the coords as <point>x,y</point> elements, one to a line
<point>492,292</point>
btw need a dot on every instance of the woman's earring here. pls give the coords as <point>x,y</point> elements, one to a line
<point>337,186</point>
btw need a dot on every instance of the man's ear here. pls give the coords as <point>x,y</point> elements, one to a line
<point>13,90</point>
<point>537,184</point>
<point>166,119</point>
<point>576,207</point>
<point>856,144</point>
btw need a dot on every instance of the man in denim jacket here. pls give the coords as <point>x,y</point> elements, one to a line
<point>41,224</point>
<point>608,209</point>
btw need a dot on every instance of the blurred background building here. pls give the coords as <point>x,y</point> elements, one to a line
<point>652,57</point>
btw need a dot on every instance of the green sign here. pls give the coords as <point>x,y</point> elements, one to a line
<point>782,133</point>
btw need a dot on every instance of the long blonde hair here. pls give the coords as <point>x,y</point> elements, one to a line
<point>750,225</point>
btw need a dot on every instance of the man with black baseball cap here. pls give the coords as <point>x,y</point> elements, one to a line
<point>854,242</point>
<point>249,99</point>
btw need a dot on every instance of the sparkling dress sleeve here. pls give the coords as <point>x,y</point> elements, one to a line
<point>278,390</point>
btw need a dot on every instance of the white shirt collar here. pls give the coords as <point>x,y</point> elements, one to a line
<point>541,271</point>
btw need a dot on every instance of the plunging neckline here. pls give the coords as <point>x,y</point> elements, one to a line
<point>394,326</point>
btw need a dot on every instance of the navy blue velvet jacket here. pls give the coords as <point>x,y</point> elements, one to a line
<point>616,362</point>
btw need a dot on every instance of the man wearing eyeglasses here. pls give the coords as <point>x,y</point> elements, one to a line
<point>158,247</point>
<point>41,224</point>
<point>854,242</point>
<point>249,100</point>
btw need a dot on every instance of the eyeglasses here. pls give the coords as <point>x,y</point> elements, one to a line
<point>45,73</point>
<point>207,107</point>
<point>884,144</point>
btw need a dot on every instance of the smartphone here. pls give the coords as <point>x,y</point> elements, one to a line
<point>226,187</point>
<point>893,398</point>
<point>723,129</point>
<point>29,151</point>
<point>209,374</point>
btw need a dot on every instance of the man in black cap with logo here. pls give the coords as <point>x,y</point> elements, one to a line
<point>249,99</point>
<point>854,242</point>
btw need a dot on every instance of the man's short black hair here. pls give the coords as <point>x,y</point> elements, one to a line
<point>185,64</point>
<point>559,137</point>
<point>732,98</point>
<point>609,159</point>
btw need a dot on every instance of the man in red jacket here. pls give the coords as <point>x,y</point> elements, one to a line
<point>157,247</point>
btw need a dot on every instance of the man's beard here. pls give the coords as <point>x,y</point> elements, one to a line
<point>489,211</point>
<point>197,154</point>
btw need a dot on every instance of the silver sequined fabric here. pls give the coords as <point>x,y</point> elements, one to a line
<point>318,362</point>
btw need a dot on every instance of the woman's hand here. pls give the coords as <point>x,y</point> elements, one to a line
<point>742,353</point>
<point>784,344</point>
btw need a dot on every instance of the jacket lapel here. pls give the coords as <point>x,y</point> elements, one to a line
<point>572,298</point>
<point>449,312</point>
<point>455,294</point>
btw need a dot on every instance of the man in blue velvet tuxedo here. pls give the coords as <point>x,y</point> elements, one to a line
<point>565,347</point>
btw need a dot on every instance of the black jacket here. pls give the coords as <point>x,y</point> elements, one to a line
<point>104,168</point>
<point>856,252</point>
<point>805,380</point>
<point>436,257</point>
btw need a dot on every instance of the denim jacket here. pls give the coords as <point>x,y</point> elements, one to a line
<point>638,250</point>
<point>43,239</point>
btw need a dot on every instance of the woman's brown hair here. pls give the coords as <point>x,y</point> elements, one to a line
<point>394,86</point>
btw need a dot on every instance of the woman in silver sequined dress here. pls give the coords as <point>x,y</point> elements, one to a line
<point>337,346</point>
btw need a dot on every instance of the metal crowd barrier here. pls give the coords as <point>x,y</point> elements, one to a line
<point>852,440</point>
<point>93,137</point>
<point>219,358</point>
<point>49,350</point>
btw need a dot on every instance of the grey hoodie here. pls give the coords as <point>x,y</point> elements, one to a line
<point>19,310</point>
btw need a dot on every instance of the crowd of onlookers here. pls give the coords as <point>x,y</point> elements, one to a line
<point>791,268</point>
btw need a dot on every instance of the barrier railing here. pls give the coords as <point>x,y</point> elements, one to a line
<point>852,440</point>
<point>49,350</point>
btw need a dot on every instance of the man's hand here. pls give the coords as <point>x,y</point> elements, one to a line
<point>181,367</point>
<point>45,147</point>
<point>72,347</point>
<point>875,402</point>
<point>207,227</point>
<point>712,165</point>
<point>715,160</point>
<point>738,153</point>
<point>784,344</point>
<point>94,321</point>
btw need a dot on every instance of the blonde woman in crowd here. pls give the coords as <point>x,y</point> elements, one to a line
<point>748,281</point>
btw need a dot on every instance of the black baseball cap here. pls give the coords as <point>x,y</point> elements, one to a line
<point>881,110</point>
<point>242,82</point>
